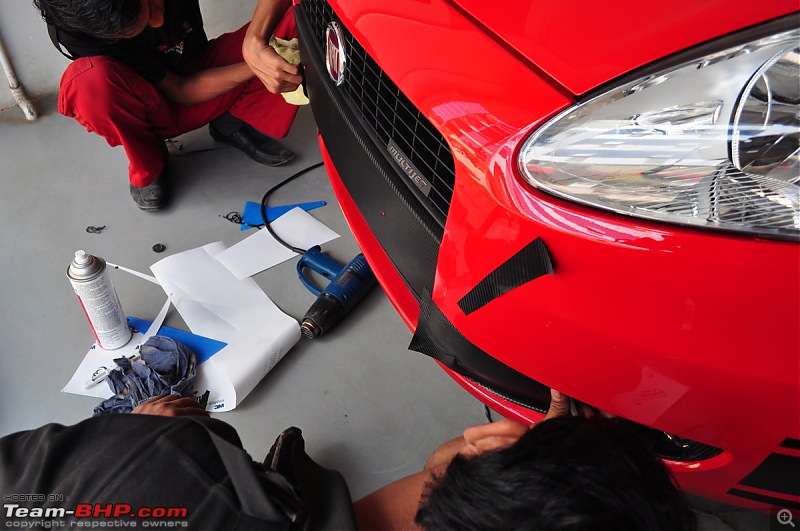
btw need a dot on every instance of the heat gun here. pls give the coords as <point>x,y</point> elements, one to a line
<point>348,286</point>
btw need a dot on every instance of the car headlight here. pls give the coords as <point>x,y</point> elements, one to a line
<point>713,142</point>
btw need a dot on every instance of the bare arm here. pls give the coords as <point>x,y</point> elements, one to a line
<point>261,60</point>
<point>277,74</point>
<point>204,85</point>
<point>393,507</point>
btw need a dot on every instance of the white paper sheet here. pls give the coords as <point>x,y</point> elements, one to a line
<point>95,361</point>
<point>216,304</point>
<point>155,326</point>
<point>261,251</point>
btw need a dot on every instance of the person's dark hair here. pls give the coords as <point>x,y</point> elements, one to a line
<point>104,19</point>
<point>567,473</point>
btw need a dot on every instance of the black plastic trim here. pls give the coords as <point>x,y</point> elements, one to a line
<point>793,444</point>
<point>408,234</point>
<point>436,337</point>
<point>394,123</point>
<point>764,499</point>
<point>777,473</point>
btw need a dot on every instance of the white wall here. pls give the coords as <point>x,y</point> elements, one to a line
<point>38,65</point>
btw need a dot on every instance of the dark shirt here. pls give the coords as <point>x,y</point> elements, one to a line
<point>113,466</point>
<point>139,460</point>
<point>155,50</point>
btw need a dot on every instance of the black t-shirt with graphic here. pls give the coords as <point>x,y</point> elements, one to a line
<point>155,50</point>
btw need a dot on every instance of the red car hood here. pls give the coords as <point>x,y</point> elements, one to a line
<point>584,43</point>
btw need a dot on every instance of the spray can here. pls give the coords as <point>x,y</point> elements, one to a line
<point>99,300</point>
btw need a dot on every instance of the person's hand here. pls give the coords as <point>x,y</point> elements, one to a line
<point>505,432</point>
<point>170,406</point>
<point>277,74</point>
<point>559,405</point>
<point>492,436</point>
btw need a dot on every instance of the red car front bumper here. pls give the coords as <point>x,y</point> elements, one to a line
<point>681,330</point>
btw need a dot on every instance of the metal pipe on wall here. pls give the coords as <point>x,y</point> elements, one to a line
<point>16,89</point>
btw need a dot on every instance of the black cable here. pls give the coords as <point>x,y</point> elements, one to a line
<point>265,199</point>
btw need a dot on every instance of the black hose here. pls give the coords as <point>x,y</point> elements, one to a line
<point>265,199</point>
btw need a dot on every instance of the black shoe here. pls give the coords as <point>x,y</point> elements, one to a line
<point>255,144</point>
<point>155,195</point>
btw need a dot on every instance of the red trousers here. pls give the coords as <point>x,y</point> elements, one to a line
<point>109,98</point>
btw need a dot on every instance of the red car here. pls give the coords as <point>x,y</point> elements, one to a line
<point>600,197</point>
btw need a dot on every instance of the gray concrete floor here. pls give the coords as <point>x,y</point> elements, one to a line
<point>367,406</point>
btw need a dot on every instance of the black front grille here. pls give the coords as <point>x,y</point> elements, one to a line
<point>389,115</point>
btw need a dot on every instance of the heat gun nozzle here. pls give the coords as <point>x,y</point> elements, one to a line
<point>309,329</point>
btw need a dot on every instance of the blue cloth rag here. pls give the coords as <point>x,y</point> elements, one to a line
<point>169,368</point>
